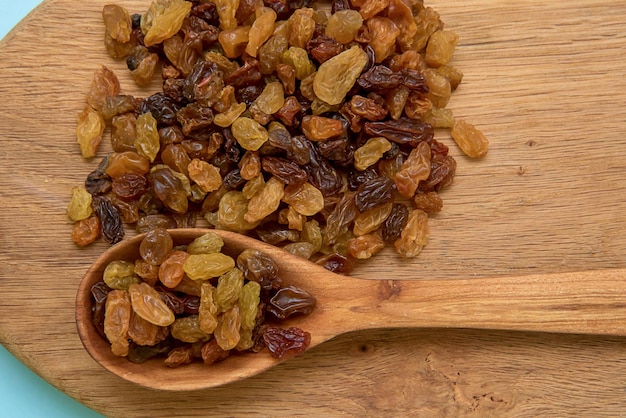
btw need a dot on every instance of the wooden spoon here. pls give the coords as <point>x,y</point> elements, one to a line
<point>592,302</point>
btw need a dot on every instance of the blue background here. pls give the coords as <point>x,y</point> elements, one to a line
<point>22,392</point>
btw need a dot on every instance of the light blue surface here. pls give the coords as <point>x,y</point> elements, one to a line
<point>22,392</point>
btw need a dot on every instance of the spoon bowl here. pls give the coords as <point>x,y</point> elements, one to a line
<point>591,302</point>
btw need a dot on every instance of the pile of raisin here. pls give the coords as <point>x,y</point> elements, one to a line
<point>194,302</point>
<point>309,130</point>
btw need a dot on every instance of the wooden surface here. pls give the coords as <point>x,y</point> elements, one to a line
<point>546,83</point>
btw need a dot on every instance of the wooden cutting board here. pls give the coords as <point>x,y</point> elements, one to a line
<point>545,81</point>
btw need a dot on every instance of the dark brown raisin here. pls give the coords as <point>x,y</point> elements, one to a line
<point>289,301</point>
<point>373,193</point>
<point>283,343</point>
<point>395,222</point>
<point>110,220</point>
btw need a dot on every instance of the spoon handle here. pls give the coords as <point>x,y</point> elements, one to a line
<point>591,302</point>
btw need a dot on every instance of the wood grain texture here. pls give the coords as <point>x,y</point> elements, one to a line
<point>544,80</point>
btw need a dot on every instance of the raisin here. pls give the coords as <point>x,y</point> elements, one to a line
<point>169,189</point>
<point>304,198</point>
<point>187,329</point>
<point>258,267</point>
<point>156,246</point>
<point>89,130</point>
<point>440,48</point>
<point>336,263</point>
<point>179,356</point>
<point>283,343</point>
<point>124,162</point>
<point>142,65</point>
<point>104,84</point>
<point>117,321</point>
<point>86,231</point>
<point>289,301</point>
<point>206,266</point>
<point>414,235</point>
<point>414,169</point>
<point>343,25</point>
<point>99,292</point>
<point>172,301</point>
<point>365,246</point>
<point>227,333</point>
<point>163,20</point>
<point>384,33</point>
<point>204,174</point>
<point>117,22</point>
<point>371,152</point>
<point>171,269</point>
<point>98,182</point>
<point>335,77</point>
<point>110,221</point>
<point>471,140</point>
<point>429,202</point>
<point>285,170</point>
<point>318,128</point>
<point>260,30</point>
<point>380,78</point>
<point>212,353</point>
<point>370,220</point>
<point>402,131</point>
<point>374,193</point>
<point>249,133</point>
<point>395,222</point>
<point>265,202</point>
<point>119,274</point>
<point>130,185</point>
<point>270,100</point>
<point>79,206</point>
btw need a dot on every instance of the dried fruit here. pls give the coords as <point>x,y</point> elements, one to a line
<point>205,175</point>
<point>270,100</point>
<point>117,321</point>
<point>163,20</point>
<point>365,246</point>
<point>261,29</point>
<point>110,221</point>
<point>156,246</point>
<point>147,303</point>
<point>249,133</point>
<point>206,244</point>
<point>371,152</point>
<point>206,266</point>
<point>86,231</point>
<point>275,119</point>
<point>266,201</point>
<point>284,343</point>
<point>120,274</point>
<point>440,48</point>
<point>414,235</point>
<point>289,301</point>
<point>171,270</point>
<point>117,22</point>
<point>89,130</point>
<point>203,321</point>
<point>305,199</point>
<point>343,25</point>
<point>414,169</point>
<point>471,141</point>
<point>147,140</point>
<point>319,128</point>
<point>335,77</point>
<point>187,329</point>
<point>79,206</point>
